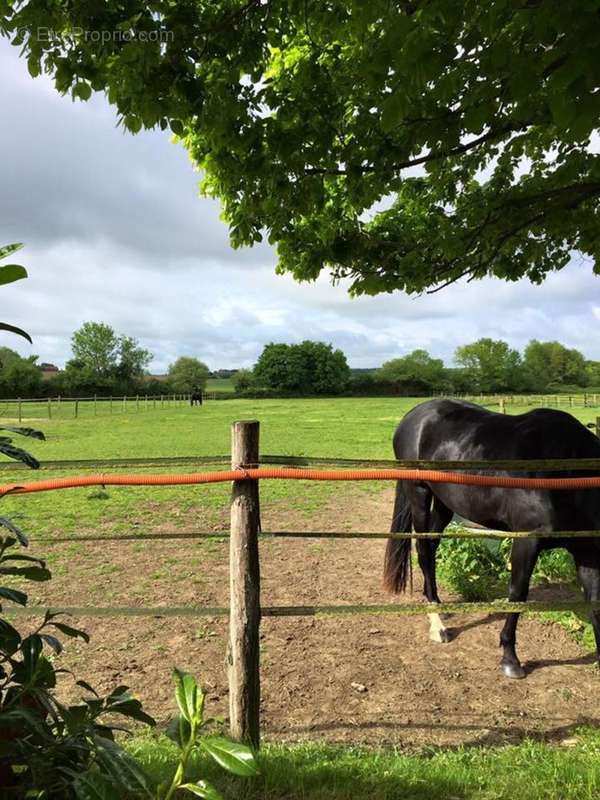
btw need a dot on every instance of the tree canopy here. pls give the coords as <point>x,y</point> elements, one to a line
<point>491,365</point>
<point>418,369</point>
<point>188,375</point>
<point>104,360</point>
<point>308,119</point>
<point>549,364</point>
<point>19,377</point>
<point>305,368</point>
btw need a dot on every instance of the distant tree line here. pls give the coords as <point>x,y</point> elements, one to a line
<point>485,366</point>
<point>104,363</point>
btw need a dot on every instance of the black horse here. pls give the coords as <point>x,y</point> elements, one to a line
<point>451,430</point>
<point>196,398</point>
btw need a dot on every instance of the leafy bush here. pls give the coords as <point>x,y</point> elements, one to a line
<point>555,566</point>
<point>46,746</point>
<point>474,568</point>
<point>479,569</point>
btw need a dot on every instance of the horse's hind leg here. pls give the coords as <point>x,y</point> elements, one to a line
<point>524,554</point>
<point>429,515</point>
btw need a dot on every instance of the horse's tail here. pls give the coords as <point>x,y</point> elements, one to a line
<point>397,554</point>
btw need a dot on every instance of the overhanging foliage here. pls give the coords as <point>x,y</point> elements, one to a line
<point>303,115</point>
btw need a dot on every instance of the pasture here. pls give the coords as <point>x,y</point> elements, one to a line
<point>413,694</point>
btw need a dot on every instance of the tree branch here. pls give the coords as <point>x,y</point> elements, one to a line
<point>415,162</point>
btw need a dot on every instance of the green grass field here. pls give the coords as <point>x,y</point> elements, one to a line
<point>219,385</point>
<point>529,771</point>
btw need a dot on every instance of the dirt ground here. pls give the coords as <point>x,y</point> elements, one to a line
<point>411,692</point>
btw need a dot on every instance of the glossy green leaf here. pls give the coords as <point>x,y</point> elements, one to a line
<point>70,631</point>
<point>202,789</point>
<point>187,694</point>
<point>234,757</point>
<point>13,594</point>
<point>9,273</point>
<point>8,249</point>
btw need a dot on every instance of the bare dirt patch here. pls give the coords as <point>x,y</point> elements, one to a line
<point>356,679</point>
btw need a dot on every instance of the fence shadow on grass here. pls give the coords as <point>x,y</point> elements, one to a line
<point>494,736</point>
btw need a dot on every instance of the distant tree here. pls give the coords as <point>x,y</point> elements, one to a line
<point>275,370</point>
<point>95,346</point>
<point>551,364</point>
<point>19,377</point>
<point>324,370</point>
<point>417,369</point>
<point>243,380</point>
<point>592,369</point>
<point>459,381</point>
<point>306,368</point>
<point>133,360</point>
<point>491,365</point>
<point>187,375</point>
<point>104,361</point>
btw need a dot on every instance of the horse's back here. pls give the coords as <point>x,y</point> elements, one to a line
<point>456,430</point>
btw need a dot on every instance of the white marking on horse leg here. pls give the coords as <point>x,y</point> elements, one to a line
<point>437,630</point>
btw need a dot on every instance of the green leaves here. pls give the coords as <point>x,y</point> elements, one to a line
<point>186,732</point>
<point>202,789</point>
<point>234,757</point>
<point>9,273</point>
<point>306,119</point>
<point>393,110</point>
<point>190,699</point>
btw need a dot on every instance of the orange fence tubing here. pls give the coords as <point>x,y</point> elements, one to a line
<point>427,476</point>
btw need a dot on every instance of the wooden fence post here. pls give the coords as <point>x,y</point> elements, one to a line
<point>76,408</point>
<point>137,402</point>
<point>20,412</point>
<point>49,408</point>
<point>244,582</point>
<point>110,404</point>
<point>598,426</point>
<point>502,404</point>
<point>124,403</point>
<point>95,398</point>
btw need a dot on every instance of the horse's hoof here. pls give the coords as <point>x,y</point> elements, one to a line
<point>512,670</point>
<point>441,636</point>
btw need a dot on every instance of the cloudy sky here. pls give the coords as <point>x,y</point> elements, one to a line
<point>115,232</point>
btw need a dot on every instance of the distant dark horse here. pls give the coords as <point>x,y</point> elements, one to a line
<point>196,398</point>
<point>451,430</point>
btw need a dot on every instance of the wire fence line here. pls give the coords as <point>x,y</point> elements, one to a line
<point>74,407</point>
<point>493,606</point>
<point>516,465</point>
<point>223,536</point>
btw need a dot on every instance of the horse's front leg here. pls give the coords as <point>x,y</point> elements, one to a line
<point>524,554</point>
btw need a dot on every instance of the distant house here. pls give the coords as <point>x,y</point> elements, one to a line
<point>48,370</point>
